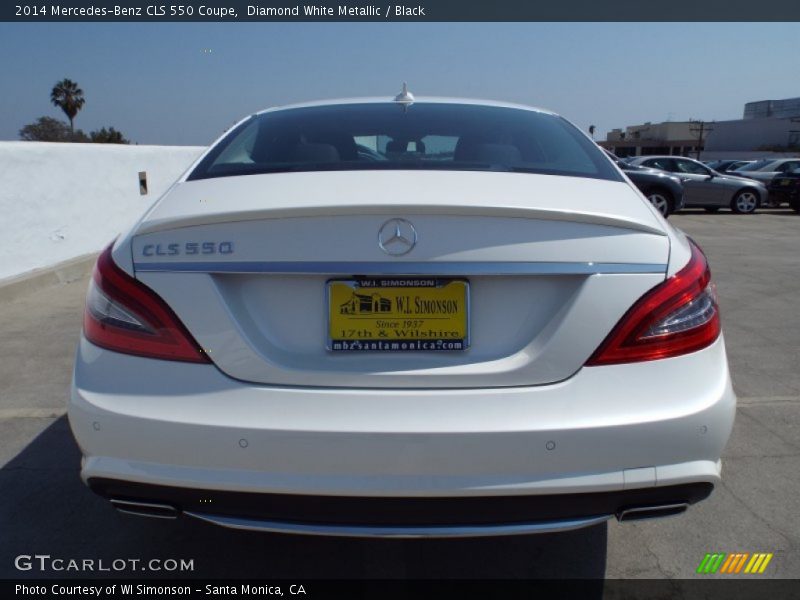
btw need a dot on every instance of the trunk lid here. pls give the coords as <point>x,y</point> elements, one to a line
<point>552,264</point>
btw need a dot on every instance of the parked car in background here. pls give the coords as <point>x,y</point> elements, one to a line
<point>727,165</point>
<point>768,169</point>
<point>664,191</point>
<point>489,332</point>
<point>707,188</point>
<point>786,188</point>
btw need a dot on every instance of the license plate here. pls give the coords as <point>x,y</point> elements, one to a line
<point>390,314</point>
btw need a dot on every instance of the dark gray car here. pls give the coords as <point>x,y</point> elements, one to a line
<point>664,191</point>
<point>705,188</point>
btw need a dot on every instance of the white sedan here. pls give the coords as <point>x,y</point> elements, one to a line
<point>380,317</point>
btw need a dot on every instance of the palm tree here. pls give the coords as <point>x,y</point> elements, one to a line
<point>68,97</point>
<point>591,130</point>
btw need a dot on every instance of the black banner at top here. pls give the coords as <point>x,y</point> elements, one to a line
<point>397,10</point>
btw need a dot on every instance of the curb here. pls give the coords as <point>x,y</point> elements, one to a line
<point>62,273</point>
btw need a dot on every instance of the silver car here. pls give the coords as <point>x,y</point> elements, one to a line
<point>767,170</point>
<point>705,188</point>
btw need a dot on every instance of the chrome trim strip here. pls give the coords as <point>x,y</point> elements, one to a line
<point>400,531</point>
<point>671,510</point>
<point>445,269</point>
<point>145,515</point>
<point>129,508</point>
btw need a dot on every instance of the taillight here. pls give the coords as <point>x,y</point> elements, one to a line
<point>676,317</point>
<point>124,315</point>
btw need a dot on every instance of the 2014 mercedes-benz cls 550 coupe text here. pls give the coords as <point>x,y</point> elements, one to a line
<point>381,317</point>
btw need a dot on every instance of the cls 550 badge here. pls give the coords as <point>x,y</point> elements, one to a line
<point>187,249</point>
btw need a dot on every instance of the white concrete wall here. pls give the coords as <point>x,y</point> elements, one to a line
<point>60,201</point>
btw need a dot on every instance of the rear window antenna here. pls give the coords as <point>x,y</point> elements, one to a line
<point>405,97</point>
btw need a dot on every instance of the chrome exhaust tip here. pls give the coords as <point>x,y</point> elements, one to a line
<point>153,510</point>
<point>640,513</point>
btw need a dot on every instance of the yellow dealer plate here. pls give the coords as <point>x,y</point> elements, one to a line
<point>390,314</point>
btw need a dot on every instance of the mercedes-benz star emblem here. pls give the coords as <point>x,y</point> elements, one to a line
<point>397,237</point>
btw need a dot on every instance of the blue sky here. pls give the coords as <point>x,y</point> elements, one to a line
<point>184,83</point>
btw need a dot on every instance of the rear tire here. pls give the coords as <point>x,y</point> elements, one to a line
<point>662,201</point>
<point>795,204</point>
<point>711,209</point>
<point>745,202</point>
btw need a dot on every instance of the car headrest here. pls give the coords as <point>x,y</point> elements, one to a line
<point>487,152</point>
<point>343,143</point>
<point>401,147</point>
<point>396,146</point>
<point>314,153</point>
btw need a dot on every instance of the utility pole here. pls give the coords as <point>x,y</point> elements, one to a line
<point>701,128</point>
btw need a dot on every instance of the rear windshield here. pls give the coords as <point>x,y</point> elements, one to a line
<point>420,136</point>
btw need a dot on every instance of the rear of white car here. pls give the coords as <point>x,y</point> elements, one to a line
<point>467,334</point>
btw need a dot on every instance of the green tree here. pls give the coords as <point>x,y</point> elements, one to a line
<point>45,129</point>
<point>68,97</point>
<point>108,136</point>
<point>48,129</point>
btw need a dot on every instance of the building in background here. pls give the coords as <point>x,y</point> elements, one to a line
<point>768,128</point>
<point>670,137</point>
<point>779,109</point>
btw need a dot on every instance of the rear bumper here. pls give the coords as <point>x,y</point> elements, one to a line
<point>395,516</point>
<point>181,433</point>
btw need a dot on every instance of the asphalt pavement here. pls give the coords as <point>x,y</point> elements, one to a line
<point>755,260</point>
